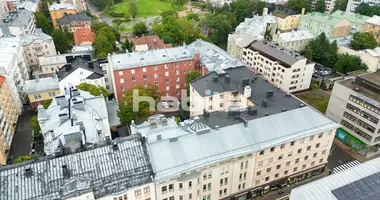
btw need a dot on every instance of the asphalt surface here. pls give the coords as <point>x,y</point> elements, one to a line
<point>22,137</point>
<point>338,157</point>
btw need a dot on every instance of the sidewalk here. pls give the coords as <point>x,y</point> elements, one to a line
<point>352,152</point>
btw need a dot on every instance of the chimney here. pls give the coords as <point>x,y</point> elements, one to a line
<point>265,103</point>
<point>217,127</point>
<point>227,79</point>
<point>159,137</point>
<point>115,147</point>
<point>265,11</point>
<point>75,92</point>
<point>78,104</point>
<point>215,78</point>
<point>37,77</point>
<point>63,117</point>
<point>247,91</point>
<point>303,11</point>
<point>34,155</point>
<point>65,172</point>
<point>269,94</point>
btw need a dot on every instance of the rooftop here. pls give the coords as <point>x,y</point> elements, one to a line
<point>76,63</point>
<point>17,18</point>
<point>153,42</point>
<point>354,18</point>
<point>84,36</point>
<point>366,84</point>
<point>67,19</point>
<point>41,85</point>
<point>152,57</point>
<point>73,119</point>
<point>280,11</point>
<point>374,20</point>
<point>323,18</point>
<point>30,5</point>
<point>359,182</point>
<point>62,59</point>
<point>9,49</point>
<point>85,48</point>
<point>38,35</point>
<point>2,79</point>
<point>213,57</point>
<point>276,53</point>
<point>296,35</point>
<point>112,109</point>
<point>61,6</point>
<point>106,170</point>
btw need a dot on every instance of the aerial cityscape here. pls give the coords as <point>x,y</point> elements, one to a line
<point>189,99</point>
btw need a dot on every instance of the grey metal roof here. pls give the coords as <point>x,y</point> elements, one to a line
<point>79,62</point>
<point>171,157</point>
<point>38,35</point>
<point>41,85</point>
<point>67,19</point>
<point>103,170</point>
<point>112,108</point>
<point>323,188</point>
<point>296,35</point>
<point>61,6</point>
<point>18,18</point>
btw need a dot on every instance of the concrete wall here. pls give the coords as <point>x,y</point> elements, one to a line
<point>38,48</point>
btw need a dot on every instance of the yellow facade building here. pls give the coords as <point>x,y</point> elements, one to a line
<point>59,10</point>
<point>286,19</point>
<point>372,25</point>
<point>40,90</point>
<point>8,120</point>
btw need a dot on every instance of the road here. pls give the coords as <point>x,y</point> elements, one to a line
<point>338,157</point>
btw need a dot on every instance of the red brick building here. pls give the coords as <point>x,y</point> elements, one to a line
<point>165,68</point>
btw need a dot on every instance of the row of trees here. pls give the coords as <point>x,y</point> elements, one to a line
<point>105,38</point>
<point>366,9</point>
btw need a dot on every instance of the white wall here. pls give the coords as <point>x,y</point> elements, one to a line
<point>79,76</point>
<point>107,77</point>
<point>370,61</point>
<point>38,48</point>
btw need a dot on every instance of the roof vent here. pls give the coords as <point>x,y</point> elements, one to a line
<point>265,103</point>
<point>28,172</point>
<point>356,89</point>
<point>227,79</point>
<point>252,110</point>
<point>266,114</point>
<point>217,127</point>
<point>245,82</point>
<point>215,78</point>
<point>269,94</point>
<point>159,137</point>
<point>174,139</point>
<point>75,92</point>
<point>284,109</point>
<point>164,121</point>
<point>301,105</point>
<point>115,147</point>
<point>153,124</point>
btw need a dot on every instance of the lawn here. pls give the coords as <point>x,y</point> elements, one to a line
<point>146,8</point>
<point>316,98</point>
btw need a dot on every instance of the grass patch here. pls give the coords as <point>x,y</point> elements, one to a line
<point>316,98</point>
<point>146,8</point>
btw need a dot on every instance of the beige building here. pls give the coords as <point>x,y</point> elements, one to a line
<point>293,40</point>
<point>370,57</point>
<point>372,25</point>
<point>329,5</point>
<point>286,18</point>
<point>8,120</point>
<point>40,90</point>
<point>286,69</point>
<point>3,8</point>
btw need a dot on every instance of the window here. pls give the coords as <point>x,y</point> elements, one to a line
<point>204,188</point>
<point>171,198</point>
<point>324,151</point>
<point>155,67</point>
<point>177,64</point>
<point>221,105</point>
<point>257,182</point>
<point>222,96</point>
<point>189,184</point>
<point>320,135</point>
<point>133,78</point>
<point>226,181</point>
<point>260,163</point>
<point>133,71</point>
<point>258,173</point>
<point>221,182</point>
<point>166,73</point>
<point>286,172</point>
<point>246,164</point>
<point>299,151</point>
<point>278,167</point>
<point>180,186</point>
<point>311,137</point>
<point>225,191</point>
<point>292,143</point>
<point>171,187</point>
<point>180,197</point>
<point>121,80</point>
<point>167,88</point>
<point>145,77</point>
<point>288,164</point>
<point>156,82</point>
<point>209,186</point>
<point>243,186</point>
<point>144,69</point>
<point>282,146</point>
<point>297,160</point>
<point>317,145</point>
<point>146,189</point>
<point>138,192</point>
<point>312,163</point>
<point>295,169</point>
<point>177,79</point>
<point>308,148</point>
<point>220,193</point>
<point>303,166</point>
<point>262,152</point>
<point>267,178</point>
<point>269,169</point>
<point>205,176</point>
<point>321,160</point>
<point>167,81</point>
<point>270,160</point>
<point>272,149</point>
<point>290,154</point>
<point>177,86</point>
<point>209,174</point>
<point>315,155</point>
<point>245,175</point>
<point>276,175</point>
<point>155,75</point>
<point>120,73</point>
<point>306,157</point>
<point>166,66</point>
<point>177,71</point>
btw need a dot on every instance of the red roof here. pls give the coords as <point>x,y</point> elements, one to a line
<point>82,35</point>
<point>2,79</point>
<point>153,42</point>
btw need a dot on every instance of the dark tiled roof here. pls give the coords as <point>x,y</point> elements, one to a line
<point>74,17</point>
<point>81,63</point>
<point>280,10</point>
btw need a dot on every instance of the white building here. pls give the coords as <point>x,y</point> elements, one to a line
<point>80,5</point>
<point>248,31</point>
<point>286,69</point>
<point>13,66</point>
<point>3,9</point>
<point>30,5</point>
<point>73,121</point>
<point>80,71</point>
<point>352,4</point>
<point>329,5</point>
<point>18,23</point>
<point>121,170</point>
<point>294,40</point>
<point>36,45</point>
<point>107,75</point>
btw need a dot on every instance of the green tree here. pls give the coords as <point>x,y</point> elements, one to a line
<point>193,74</point>
<point>47,103</point>
<point>102,47</point>
<point>127,16</point>
<point>43,23</point>
<point>35,126</point>
<point>133,9</point>
<point>140,28</point>
<point>220,26</point>
<point>179,3</point>
<point>364,9</point>
<point>192,16</point>
<point>126,112</point>
<point>322,51</point>
<point>242,9</point>
<point>22,159</point>
<point>127,45</point>
<point>363,40</point>
<point>297,5</point>
<point>340,5</point>
<point>347,63</point>
<point>168,13</point>
<point>62,40</point>
<point>257,6</point>
<point>323,84</point>
<point>93,89</point>
<point>320,6</point>
<point>309,53</point>
<point>102,4</point>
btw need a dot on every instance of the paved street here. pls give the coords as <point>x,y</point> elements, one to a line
<point>338,157</point>
<point>23,136</point>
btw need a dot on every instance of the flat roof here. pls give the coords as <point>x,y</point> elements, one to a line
<point>374,20</point>
<point>296,35</point>
<point>18,18</point>
<point>103,170</point>
<point>362,89</point>
<point>41,85</point>
<point>61,6</point>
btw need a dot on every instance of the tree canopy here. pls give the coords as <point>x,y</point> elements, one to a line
<point>366,9</point>
<point>363,40</point>
<point>62,40</point>
<point>297,5</point>
<point>126,112</point>
<point>127,45</point>
<point>105,38</point>
<point>43,23</point>
<point>322,51</point>
<point>140,28</point>
<point>320,6</point>
<point>102,4</point>
<point>179,3</point>
<point>340,5</point>
<point>347,63</point>
<point>193,74</point>
<point>93,89</point>
<point>133,9</point>
<point>22,159</point>
<point>244,8</point>
<point>47,103</point>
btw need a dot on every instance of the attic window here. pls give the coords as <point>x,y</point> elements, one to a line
<point>163,55</point>
<point>118,61</point>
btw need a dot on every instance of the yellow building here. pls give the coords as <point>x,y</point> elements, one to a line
<point>40,90</point>
<point>59,10</point>
<point>8,119</point>
<point>373,25</point>
<point>286,18</point>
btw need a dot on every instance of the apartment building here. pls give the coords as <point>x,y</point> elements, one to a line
<point>354,183</point>
<point>352,4</point>
<point>72,22</point>
<point>12,4</point>
<point>286,18</point>
<point>120,170</point>
<point>248,31</point>
<point>40,90</point>
<point>357,20</point>
<point>80,5</point>
<point>78,71</point>
<point>370,57</point>
<point>329,5</point>
<point>286,69</point>
<point>318,23</point>
<point>59,10</point>
<point>293,40</point>
<point>36,45</point>
<point>13,66</point>
<point>19,22</point>
<point>165,68</point>
<point>31,5</point>
<point>74,121</point>
<point>148,42</point>
<point>372,25</point>
<point>3,9</point>
<point>355,104</point>
<point>8,120</point>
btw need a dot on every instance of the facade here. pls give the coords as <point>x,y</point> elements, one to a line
<point>74,121</point>
<point>293,40</point>
<point>286,18</point>
<point>329,5</point>
<point>317,23</point>
<point>103,63</point>
<point>3,9</point>
<point>332,187</point>
<point>51,64</point>
<point>79,71</point>
<point>84,36</point>
<point>110,172</point>
<point>357,20</point>
<point>288,70</point>
<point>31,5</point>
<point>40,90</point>
<point>352,4</point>
<point>8,120</point>
<point>59,10</point>
<point>372,25</point>
<point>36,45</point>
<point>13,66</point>
<point>165,68</point>
<point>80,5</point>
<point>74,21</point>
<point>370,57</point>
<point>18,23</point>
<point>355,105</point>
<point>149,42</point>
<point>248,31</point>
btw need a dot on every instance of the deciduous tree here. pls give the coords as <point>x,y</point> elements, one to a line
<point>133,9</point>
<point>347,63</point>
<point>320,6</point>
<point>193,74</point>
<point>297,5</point>
<point>43,23</point>
<point>93,89</point>
<point>140,28</point>
<point>62,41</point>
<point>363,40</point>
<point>340,5</point>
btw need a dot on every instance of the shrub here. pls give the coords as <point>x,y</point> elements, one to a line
<point>115,14</point>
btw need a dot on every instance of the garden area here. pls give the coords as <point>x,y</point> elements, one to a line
<point>317,98</point>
